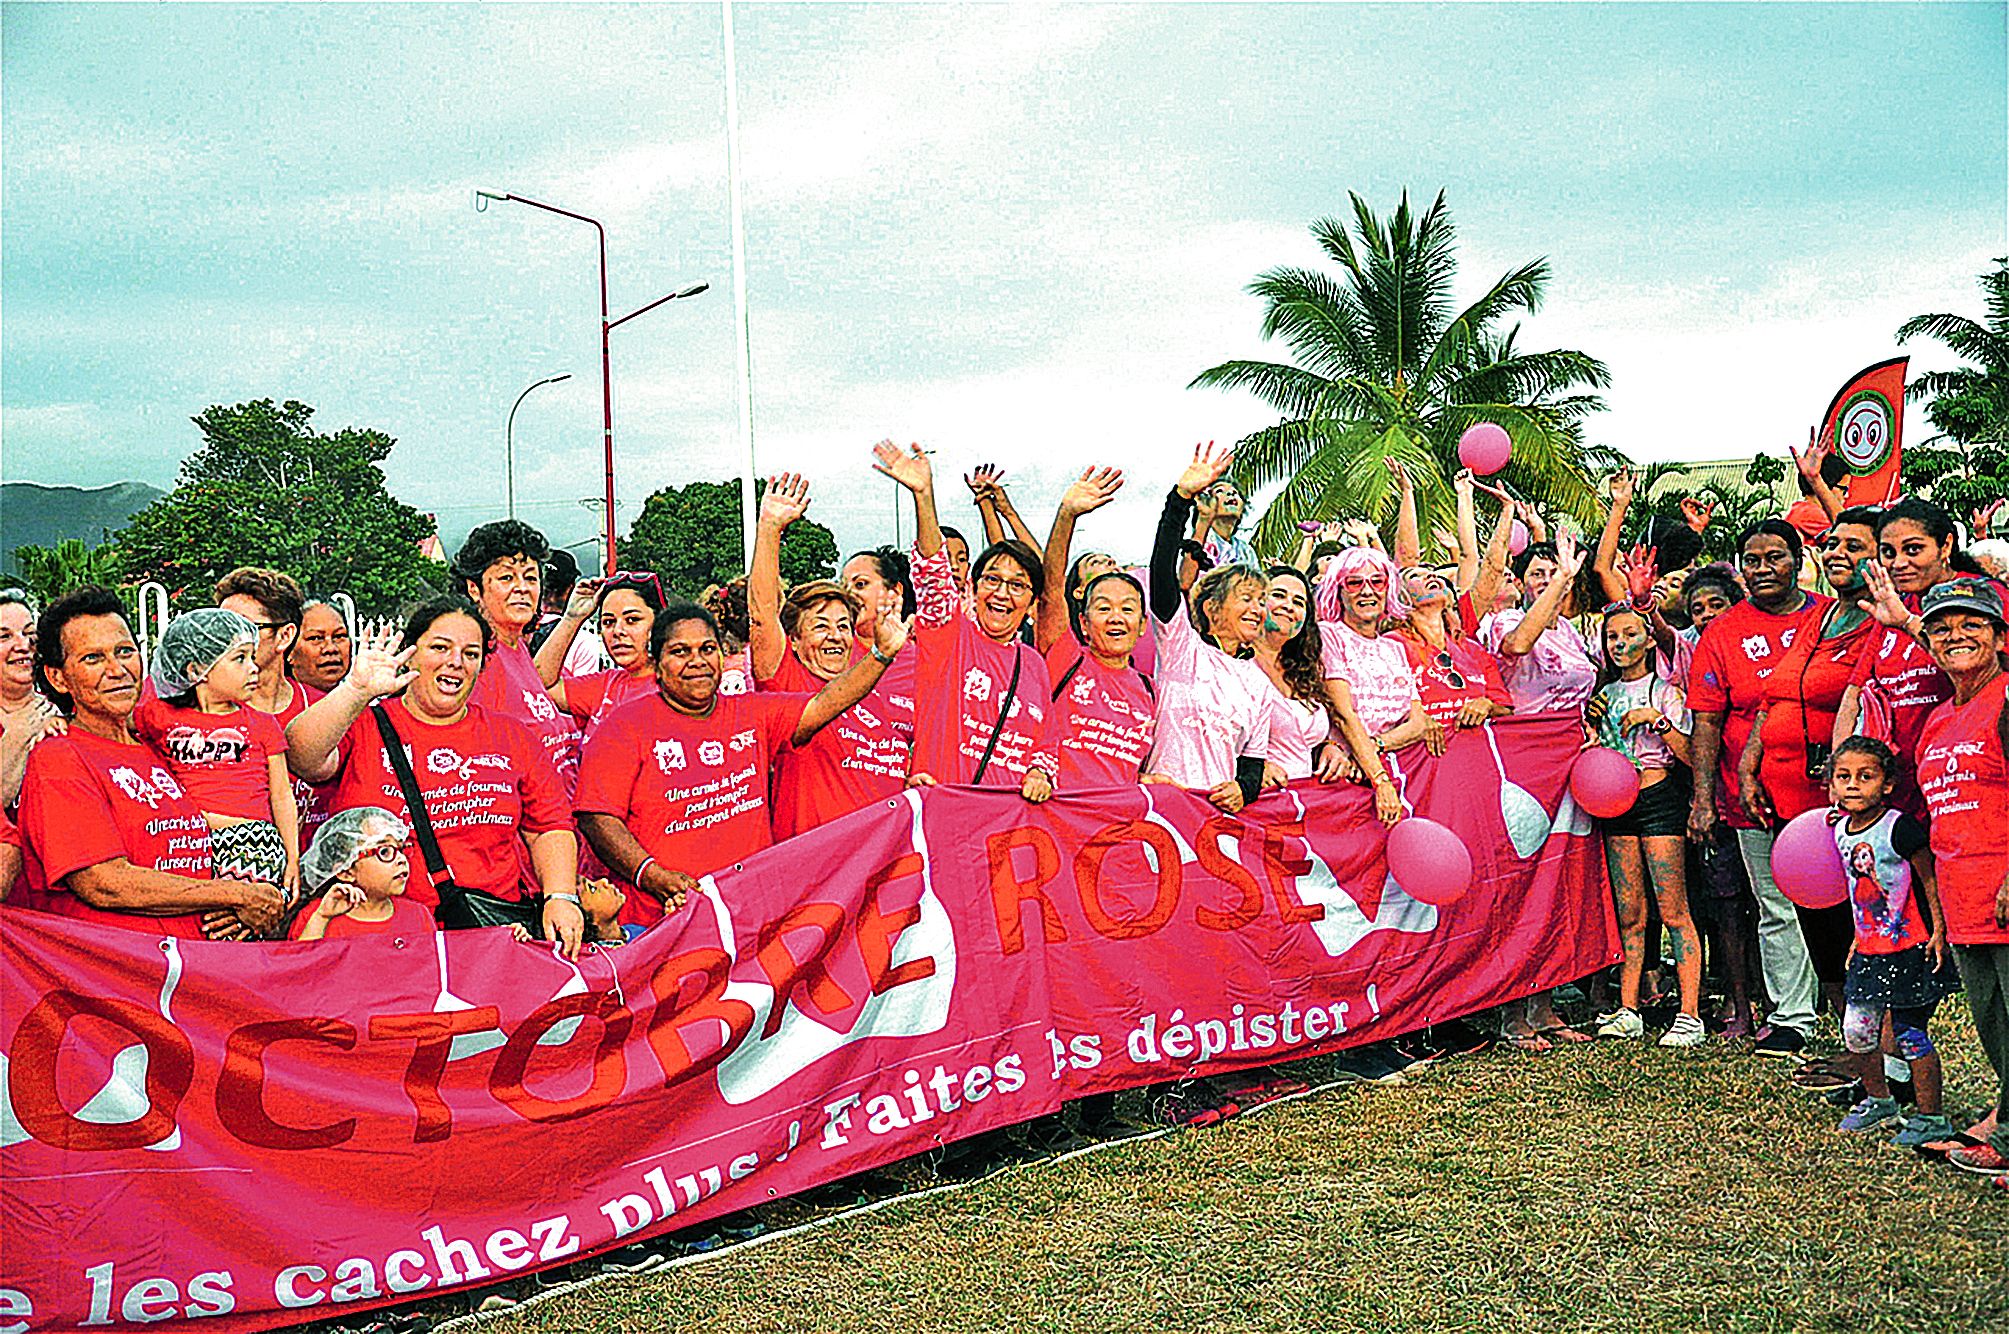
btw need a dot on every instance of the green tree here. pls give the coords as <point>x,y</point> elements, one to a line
<point>1965,466</point>
<point>691,536</point>
<point>46,573</point>
<point>265,488</point>
<point>1387,367</point>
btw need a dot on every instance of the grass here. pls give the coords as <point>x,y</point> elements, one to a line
<point>1607,1188</point>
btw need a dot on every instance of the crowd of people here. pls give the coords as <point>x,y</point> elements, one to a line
<point>568,756</point>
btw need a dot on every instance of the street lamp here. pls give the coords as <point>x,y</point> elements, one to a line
<point>607,326</point>
<point>509,440</point>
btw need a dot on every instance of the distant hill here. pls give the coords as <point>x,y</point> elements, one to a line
<point>32,514</point>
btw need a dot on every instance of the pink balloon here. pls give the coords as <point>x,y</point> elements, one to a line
<point>1429,862</point>
<point>1806,864</point>
<point>1517,538</point>
<point>1604,783</point>
<point>1485,448</point>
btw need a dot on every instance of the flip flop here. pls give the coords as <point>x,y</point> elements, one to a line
<point>1534,1044</point>
<point>1564,1033</point>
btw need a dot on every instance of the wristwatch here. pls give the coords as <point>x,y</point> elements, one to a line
<point>885,659</point>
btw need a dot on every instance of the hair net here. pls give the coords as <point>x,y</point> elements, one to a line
<point>340,842</point>
<point>191,644</point>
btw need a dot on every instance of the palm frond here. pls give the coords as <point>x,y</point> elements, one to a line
<point>1291,390</point>
<point>1319,319</point>
<point>1974,341</point>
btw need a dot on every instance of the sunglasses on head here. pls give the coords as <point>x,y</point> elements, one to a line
<point>635,579</point>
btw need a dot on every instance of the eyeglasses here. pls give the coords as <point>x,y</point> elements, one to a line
<point>274,626</point>
<point>1443,661</point>
<point>1355,581</point>
<point>1014,587</point>
<point>387,853</point>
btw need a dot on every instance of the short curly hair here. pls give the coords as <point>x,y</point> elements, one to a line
<point>500,540</point>
<point>274,590</point>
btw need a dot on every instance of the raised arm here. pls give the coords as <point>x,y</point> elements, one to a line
<point>1008,512</point>
<point>1095,488</point>
<point>1408,535</point>
<point>889,635</point>
<point>1485,587</point>
<point>1521,639</point>
<point>983,485</point>
<point>1468,528</point>
<point>1604,560</point>
<point>550,658</point>
<point>375,671</point>
<point>911,469</point>
<point>785,501</point>
<point>1167,598</point>
<point>1809,461</point>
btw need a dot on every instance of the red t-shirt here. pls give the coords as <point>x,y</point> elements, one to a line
<point>858,758</point>
<point>485,781</point>
<point>961,675</point>
<point>1448,677</point>
<point>1735,657</point>
<point>1104,720</point>
<point>509,687</point>
<point>693,791</point>
<point>86,800</point>
<point>589,699</point>
<point>1965,778</point>
<point>315,800</point>
<point>1901,685</point>
<point>1803,695</point>
<point>221,759</point>
<point>407,919</point>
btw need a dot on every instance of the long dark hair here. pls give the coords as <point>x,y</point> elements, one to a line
<point>1302,657</point>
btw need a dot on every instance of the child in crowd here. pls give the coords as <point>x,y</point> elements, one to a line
<point>230,757</point>
<point>1642,716</point>
<point>1898,970</point>
<point>358,865</point>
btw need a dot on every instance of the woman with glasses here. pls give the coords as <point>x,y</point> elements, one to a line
<point>982,694</point>
<point>26,716</point>
<point>801,643</point>
<point>1367,675</point>
<point>621,608</point>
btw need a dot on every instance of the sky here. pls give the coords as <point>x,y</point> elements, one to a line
<point>1013,233</point>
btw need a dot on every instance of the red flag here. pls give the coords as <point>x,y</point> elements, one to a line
<point>1866,422</point>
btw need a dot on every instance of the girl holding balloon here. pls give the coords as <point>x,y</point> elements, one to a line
<point>1640,715</point>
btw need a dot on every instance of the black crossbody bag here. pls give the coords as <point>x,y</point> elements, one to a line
<point>459,908</point>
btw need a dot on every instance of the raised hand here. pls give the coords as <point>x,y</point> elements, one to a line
<point>1464,483</point>
<point>1623,484</point>
<point>1208,466</point>
<point>785,500</point>
<point>377,669</point>
<point>585,594</point>
<point>1809,460</point>
<point>1642,568</point>
<point>890,629</point>
<point>1569,556</point>
<point>1092,490</point>
<point>909,467</point>
<point>1697,512</point>
<point>1886,603</point>
<point>985,483</point>
<point>1400,474</point>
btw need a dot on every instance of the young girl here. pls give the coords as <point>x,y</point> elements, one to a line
<point>1641,715</point>
<point>1897,971</point>
<point>230,757</point>
<point>358,865</point>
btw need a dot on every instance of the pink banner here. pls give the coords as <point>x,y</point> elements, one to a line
<point>257,1135</point>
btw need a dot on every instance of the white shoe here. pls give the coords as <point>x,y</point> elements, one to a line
<point>1686,1031</point>
<point>1621,1024</point>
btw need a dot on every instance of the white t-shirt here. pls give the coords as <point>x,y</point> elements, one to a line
<point>1557,673</point>
<point>1377,670</point>
<point>1212,709</point>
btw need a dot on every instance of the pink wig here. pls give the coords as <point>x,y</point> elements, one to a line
<point>1359,560</point>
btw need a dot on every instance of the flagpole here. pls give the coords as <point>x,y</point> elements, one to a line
<point>741,343</point>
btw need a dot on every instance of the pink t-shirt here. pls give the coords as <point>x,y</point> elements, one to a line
<point>961,676</point>
<point>1104,719</point>
<point>858,758</point>
<point>1557,673</point>
<point>589,699</point>
<point>1377,671</point>
<point>1296,728</point>
<point>509,687</point>
<point>1213,709</point>
<point>222,759</point>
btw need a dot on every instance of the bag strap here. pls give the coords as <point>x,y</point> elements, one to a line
<point>1004,711</point>
<point>437,870</point>
<point>1067,676</point>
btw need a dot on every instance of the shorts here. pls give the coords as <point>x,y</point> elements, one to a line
<point>253,850</point>
<point>1660,811</point>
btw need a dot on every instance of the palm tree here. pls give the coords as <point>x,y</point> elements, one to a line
<point>49,572</point>
<point>1386,367</point>
<point>1969,406</point>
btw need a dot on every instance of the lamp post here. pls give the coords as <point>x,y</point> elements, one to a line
<point>509,441</point>
<point>607,326</point>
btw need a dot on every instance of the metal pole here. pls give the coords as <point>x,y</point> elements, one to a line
<point>509,441</point>
<point>741,344</point>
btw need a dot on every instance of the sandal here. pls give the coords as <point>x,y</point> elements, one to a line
<point>1534,1044</point>
<point>1198,1106</point>
<point>1563,1033</point>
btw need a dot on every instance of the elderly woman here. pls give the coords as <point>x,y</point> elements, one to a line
<point>1963,761</point>
<point>981,693</point>
<point>320,656</point>
<point>110,836</point>
<point>800,644</point>
<point>487,787</point>
<point>25,715</point>
<point>1367,675</point>
<point>501,569</point>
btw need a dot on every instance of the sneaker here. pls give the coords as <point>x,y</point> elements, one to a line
<point>1621,1024</point>
<point>1982,1158</point>
<point>1779,1043</point>
<point>1922,1128</point>
<point>1737,1030</point>
<point>1845,1097</point>
<point>1869,1114</point>
<point>1685,1031</point>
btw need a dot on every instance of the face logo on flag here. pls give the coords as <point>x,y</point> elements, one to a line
<point>1862,432</point>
